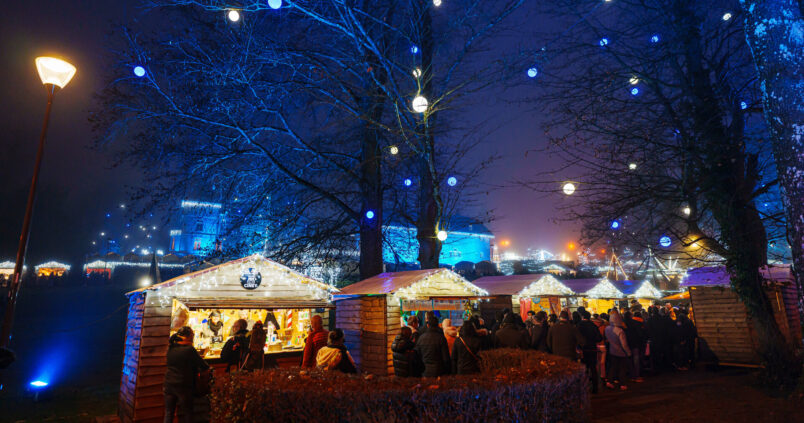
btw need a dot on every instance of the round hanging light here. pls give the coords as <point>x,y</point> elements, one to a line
<point>419,104</point>
<point>568,188</point>
<point>441,235</point>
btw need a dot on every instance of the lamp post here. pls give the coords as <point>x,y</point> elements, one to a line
<point>53,72</point>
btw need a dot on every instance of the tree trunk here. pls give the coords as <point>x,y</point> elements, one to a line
<point>371,261</point>
<point>430,210</point>
<point>775,32</point>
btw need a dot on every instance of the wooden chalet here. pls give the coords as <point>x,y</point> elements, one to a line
<point>252,288</point>
<point>370,312</point>
<point>600,295</point>
<point>522,293</point>
<point>724,326</point>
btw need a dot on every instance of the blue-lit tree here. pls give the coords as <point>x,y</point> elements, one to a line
<point>660,125</point>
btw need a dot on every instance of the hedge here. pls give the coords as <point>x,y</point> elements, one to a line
<point>514,385</point>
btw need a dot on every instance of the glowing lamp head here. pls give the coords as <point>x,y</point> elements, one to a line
<point>654,39</point>
<point>274,4</point>
<point>408,182</point>
<point>634,91</point>
<point>452,181</point>
<point>604,42</point>
<point>665,241</point>
<point>436,3</point>
<point>139,71</point>
<point>370,214</point>
<point>54,71</point>
<point>533,72</point>
<point>419,104</point>
<point>686,210</point>
<point>442,236</point>
<point>634,80</point>
<point>726,16</point>
<point>394,150</point>
<point>233,15</point>
<point>568,188</point>
<point>632,166</point>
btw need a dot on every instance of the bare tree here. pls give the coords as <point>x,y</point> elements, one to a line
<point>655,115</point>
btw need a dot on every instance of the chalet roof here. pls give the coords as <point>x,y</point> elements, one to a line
<point>531,285</point>
<point>581,286</point>
<point>411,283</point>
<point>719,276</point>
<point>223,282</point>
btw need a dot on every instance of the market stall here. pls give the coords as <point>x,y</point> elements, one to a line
<point>522,293</point>
<point>724,326</point>
<point>371,311</point>
<point>605,294</point>
<point>51,268</point>
<point>210,301</point>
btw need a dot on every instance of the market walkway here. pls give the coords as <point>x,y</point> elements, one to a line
<point>696,396</point>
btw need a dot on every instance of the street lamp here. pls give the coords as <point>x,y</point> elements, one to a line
<point>54,73</point>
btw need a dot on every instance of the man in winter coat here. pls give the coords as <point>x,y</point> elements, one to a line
<point>619,351</point>
<point>509,335</point>
<point>592,337</point>
<point>433,349</point>
<point>563,338</point>
<point>538,332</point>
<point>235,350</point>
<point>316,339</point>
<point>406,360</point>
<point>465,359</point>
<point>636,333</point>
<point>335,356</point>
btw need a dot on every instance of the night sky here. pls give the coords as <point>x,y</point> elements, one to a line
<point>78,186</point>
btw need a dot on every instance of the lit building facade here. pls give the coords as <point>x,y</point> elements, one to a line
<point>467,240</point>
<point>199,227</point>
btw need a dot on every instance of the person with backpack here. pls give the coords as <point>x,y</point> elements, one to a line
<point>335,356</point>
<point>183,367</point>
<point>236,348</point>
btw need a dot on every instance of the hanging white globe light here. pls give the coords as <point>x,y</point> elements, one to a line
<point>442,236</point>
<point>233,15</point>
<point>419,104</point>
<point>568,188</point>
<point>436,3</point>
<point>394,150</point>
<point>274,4</point>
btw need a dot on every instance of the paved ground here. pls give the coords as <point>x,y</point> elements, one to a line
<point>725,395</point>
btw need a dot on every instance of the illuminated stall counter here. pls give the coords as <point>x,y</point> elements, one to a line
<point>371,311</point>
<point>606,294</point>
<point>521,293</point>
<point>210,301</point>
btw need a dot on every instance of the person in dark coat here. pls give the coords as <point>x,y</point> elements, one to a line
<point>591,335</point>
<point>563,338</point>
<point>636,334</point>
<point>183,364</point>
<point>509,335</point>
<point>235,350</point>
<point>684,341</point>
<point>465,350</point>
<point>433,349</point>
<point>538,332</point>
<point>406,360</point>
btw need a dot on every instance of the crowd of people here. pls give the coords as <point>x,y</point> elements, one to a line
<point>616,347</point>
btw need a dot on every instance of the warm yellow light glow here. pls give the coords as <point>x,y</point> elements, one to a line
<point>632,166</point>
<point>571,246</point>
<point>233,15</point>
<point>634,80</point>
<point>145,281</point>
<point>687,211</point>
<point>419,104</point>
<point>442,235</point>
<point>417,72</point>
<point>436,3</point>
<point>505,243</point>
<point>394,150</point>
<point>569,188</point>
<point>54,71</point>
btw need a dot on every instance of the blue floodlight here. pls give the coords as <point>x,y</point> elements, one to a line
<point>408,182</point>
<point>665,241</point>
<point>604,42</point>
<point>139,71</point>
<point>414,49</point>
<point>452,181</point>
<point>654,38</point>
<point>38,384</point>
<point>615,224</point>
<point>634,91</point>
<point>743,105</point>
<point>274,4</point>
<point>532,72</point>
<point>370,214</point>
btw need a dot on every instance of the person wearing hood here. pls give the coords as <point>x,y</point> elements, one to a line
<point>335,356</point>
<point>406,360</point>
<point>433,349</point>
<point>619,351</point>
<point>316,339</point>
<point>183,364</point>
<point>465,359</point>
<point>564,338</point>
<point>450,332</point>
<point>509,335</point>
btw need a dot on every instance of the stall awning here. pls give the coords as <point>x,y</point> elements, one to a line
<point>251,303</point>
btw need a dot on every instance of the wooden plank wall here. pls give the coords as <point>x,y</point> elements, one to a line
<point>374,346</point>
<point>393,328</point>
<point>722,323</point>
<point>149,401</point>
<point>790,302</point>
<point>347,318</point>
<point>131,355</point>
